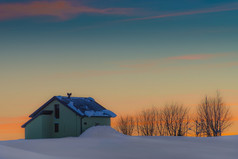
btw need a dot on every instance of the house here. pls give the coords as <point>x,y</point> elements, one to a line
<point>64,116</point>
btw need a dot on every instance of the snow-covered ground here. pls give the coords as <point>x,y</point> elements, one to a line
<point>103,142</point>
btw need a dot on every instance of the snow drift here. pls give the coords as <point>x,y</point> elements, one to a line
<point>101,132</point>
<point>103,142</point>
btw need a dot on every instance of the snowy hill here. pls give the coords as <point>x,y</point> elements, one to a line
<point>101,132</point>
<point>103,142</point>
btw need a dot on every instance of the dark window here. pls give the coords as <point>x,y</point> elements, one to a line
<point>56,127</point>
<point>85,123</point>
<point>57,111</point>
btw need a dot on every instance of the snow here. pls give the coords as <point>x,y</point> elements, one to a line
<point>71,105</point>
<point>103,142</point>
<point>101,132</point>
<point>110,113</point>
<point>14,153</point>
<point>90,113</point>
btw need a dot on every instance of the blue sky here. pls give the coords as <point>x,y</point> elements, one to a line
<point>188,34</point>
<point>92,40</point>
<point>128,54</point>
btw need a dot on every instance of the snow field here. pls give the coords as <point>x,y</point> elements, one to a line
<point>103,142</point>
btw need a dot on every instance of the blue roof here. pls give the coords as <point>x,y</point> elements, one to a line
<point>81,103</point>
<point>82,106</point>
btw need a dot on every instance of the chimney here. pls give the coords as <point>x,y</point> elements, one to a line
<point>69,94</point>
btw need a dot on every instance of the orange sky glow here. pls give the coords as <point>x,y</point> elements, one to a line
<point>10,127</point>
<point>127,56</point>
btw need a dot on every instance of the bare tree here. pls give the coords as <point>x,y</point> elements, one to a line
<point>213,116</point>
<point>160,123</point>
<point>203,118</point>
<point>137,121</point>
<point>176,119</point>
<point>198,127</point>
<point>146,122</point>
<point>125,124</point>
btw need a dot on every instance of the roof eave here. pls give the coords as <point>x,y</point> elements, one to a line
<point>42,107</point>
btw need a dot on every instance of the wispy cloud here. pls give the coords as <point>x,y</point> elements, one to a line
<point>224,8</point>
<point>62,9</point>
<point>152,66</point>
<point>149,63</point>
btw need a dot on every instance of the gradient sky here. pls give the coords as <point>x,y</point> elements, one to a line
<point>127,54</point>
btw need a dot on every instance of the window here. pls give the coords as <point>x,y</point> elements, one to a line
<point>57,111</point>
<point>56,127</point>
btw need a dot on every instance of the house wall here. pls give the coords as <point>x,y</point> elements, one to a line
<point>94,121</point>
<point>43,125</point>
<point>38,128</point>
<point>69,123</point>
<point>34,129</point>
<point>46,126</point>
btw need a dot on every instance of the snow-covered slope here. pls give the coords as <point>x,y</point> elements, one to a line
<point>14,153</point>
<point>106,143</point>
<point>101,132</point>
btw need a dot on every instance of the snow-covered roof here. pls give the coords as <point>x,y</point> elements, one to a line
<point>83,106</point>
<point>86,106</point>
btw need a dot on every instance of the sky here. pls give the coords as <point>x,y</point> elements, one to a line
<point>129,55</point>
